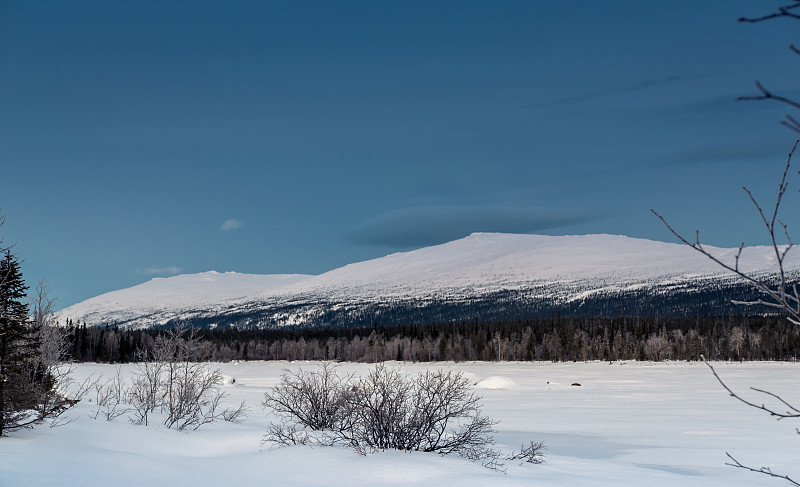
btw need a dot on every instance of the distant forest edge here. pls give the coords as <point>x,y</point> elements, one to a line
<point>541,339</point>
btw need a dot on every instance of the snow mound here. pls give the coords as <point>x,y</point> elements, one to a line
<point>496,382</point>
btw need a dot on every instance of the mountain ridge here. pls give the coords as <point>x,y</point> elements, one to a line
<point>521,271</point>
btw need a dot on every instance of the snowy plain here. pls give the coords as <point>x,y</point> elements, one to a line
<point>627,424</point>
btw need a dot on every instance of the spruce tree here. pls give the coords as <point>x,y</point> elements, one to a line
<point>19,348</point>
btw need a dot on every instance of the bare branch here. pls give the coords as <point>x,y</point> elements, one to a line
<point>768,95</point>
<point>792,413</point>
<point>762,407</point>
<point>778,296</point>
<point>763,470</point>
<point>785,11</point>
<point>762,286</point>
<point>791,123</point>
<point>779,398</point>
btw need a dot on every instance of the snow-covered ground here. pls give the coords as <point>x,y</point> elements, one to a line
<point>627,424</point>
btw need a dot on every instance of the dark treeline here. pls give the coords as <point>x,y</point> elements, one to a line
<point>550,339</point>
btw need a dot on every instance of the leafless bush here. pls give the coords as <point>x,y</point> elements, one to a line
<point>317,400</point>
<point>75,391</point>
<point>432,412</point>
<point>56,389</point>
<point>193,396</point>
<point>170,382</point>
<point>533,453</point>
<point>187,391</point>
<point>385,410</point>
<point>235,415</point>
<point>145,391</point>
<point>287,433</point>
<point>110,398</point>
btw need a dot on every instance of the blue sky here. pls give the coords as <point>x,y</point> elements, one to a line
<point>143,139</point>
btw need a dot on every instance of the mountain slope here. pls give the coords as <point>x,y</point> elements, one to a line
<point>160,299</point>
<point>485,262</point>
<point>473,276</point>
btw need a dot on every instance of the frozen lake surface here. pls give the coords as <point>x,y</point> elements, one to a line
<point>627,424</point>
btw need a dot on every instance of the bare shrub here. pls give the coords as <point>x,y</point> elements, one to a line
<point>57,390</point>
<point>385,410</point>
<point>235,415</point>
<point>110,397</point>
<point>144,393</point>
<point>432,412</point>
<point>185,390</point>
<point>316,399</point>
<point>185,393</point>
<point>287,433</point>
<point>533,453</point>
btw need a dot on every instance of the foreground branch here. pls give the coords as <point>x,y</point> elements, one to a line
<point>764,470</point>
<point>784,11</point>
<point>779,297</point>
<point>793,412</point>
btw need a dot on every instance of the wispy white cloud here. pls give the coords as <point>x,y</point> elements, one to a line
<point>230,224</point>
<point>155,270</point>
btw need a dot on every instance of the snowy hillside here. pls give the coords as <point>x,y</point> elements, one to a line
<point>485,262</point>
<point>162,298</point>
<point>544,272</point>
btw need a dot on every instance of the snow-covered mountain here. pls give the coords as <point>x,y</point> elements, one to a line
<point>491,276</point>
<point>153,301</point>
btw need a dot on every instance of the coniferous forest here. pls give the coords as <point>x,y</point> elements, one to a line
<point>545,339</point>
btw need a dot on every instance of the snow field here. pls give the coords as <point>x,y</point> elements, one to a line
<point>628,424</point>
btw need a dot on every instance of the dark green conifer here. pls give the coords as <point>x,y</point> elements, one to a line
<point>20,376</point>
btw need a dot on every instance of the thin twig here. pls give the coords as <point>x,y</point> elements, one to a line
<point>768,95</point>
<point>778,295</point>
<point>782,12</point>
<point>758,284</point>
<point>791,123</point>
<point>761,407</point>
<point>765,470</point>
